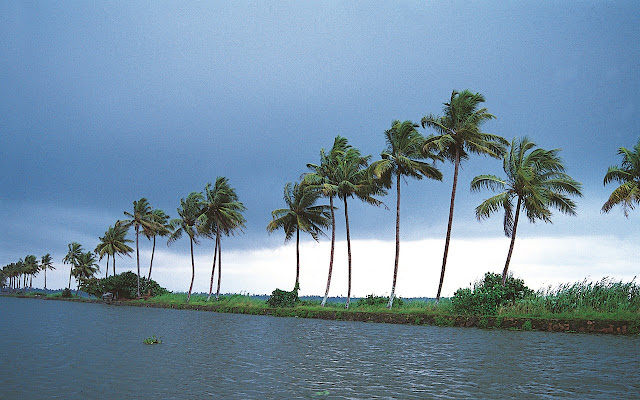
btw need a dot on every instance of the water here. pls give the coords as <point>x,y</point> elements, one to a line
<point>55,349</point>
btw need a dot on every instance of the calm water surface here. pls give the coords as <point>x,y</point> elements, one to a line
<point>55,349</point>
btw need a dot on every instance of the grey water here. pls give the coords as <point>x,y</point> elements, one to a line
<point>66,350</point>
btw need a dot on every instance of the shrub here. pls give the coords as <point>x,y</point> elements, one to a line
<point>488,294</point>
<point>378,301</point>
<point>124,285</point>
<point>66,293</point>
<point>282,298</point>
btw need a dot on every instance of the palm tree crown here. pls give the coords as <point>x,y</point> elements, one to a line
<point>46,263</point>
<point>628,175</point>
<point>112,243</point>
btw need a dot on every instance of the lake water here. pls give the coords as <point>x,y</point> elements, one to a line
<point>56,349</point>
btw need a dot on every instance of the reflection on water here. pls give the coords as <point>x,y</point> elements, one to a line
<point>55,349</point>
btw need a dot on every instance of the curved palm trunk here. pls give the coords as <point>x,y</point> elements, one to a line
<point>213,268</point>
<point>333,242</point>
<point>153,250</point>
<point>193,269</point>
<point>138,257</point>
<point>346,217</point>
<point>448,238</point>
<point>395,268</point>
<point>513,241</point>
<point>297,284</point>
<point>219,267</point>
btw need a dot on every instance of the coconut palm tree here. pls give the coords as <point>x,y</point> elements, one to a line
<point>160,229</point>
<point>189,211</point>
<point>300,215</point>
<point>75,250</point>
<point>85,269</point>
<point>31,268</point>
<point>114,242</point>
<point>140,219</point>
<point>222,214</point>
<point>402,157</point>
<point>46,263</point>
<point>628,175</point>
<point>323,178</point>
<point>459,135</point>
<point>535,180</point>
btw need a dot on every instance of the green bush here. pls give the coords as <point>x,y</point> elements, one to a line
<point>378,301</point>
<point>66,293</point>
<point>488,294</point>
<point>123,286</point>
<point>282,298</point>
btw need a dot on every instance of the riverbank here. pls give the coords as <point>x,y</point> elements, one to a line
<point>425,316</point>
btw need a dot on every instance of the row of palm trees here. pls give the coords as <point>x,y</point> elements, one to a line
<point>17,274</point>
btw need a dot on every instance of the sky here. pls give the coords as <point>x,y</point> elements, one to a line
<point>103,103</point>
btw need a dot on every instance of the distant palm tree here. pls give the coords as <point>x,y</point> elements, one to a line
<point>222,214</point>
<point>459,135</point>
<point>628,175</point>
<point>405,149</point>
<point>140,218</point>
<point>85,269</point>
<point>189,212</point>
<point>536,178</point>
<point>160,229</point>
<point>46,263</point>
<point>300,215</point>
<point>75,250</point>
<point>31,268</point>
<point>114,242</point>
<point>323,177</point>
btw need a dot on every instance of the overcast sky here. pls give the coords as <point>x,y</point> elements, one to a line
<point>102,103</point>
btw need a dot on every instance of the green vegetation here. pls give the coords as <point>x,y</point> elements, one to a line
<point>122,286</point>
<point>152,340</point>
<point>488,294</point>
<point>282,298</point>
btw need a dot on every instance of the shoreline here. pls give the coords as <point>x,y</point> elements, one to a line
<point>564,325</point>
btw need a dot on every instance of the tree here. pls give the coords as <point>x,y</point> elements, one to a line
<point>405,149</point>
<point>459,135</point>
<point>323,178</point>
<point>300,215</point>
<point>114,242</point>
<point>160,229</point>
<point>31,268</point>
<point>46,263</point>
<point>85,269</point>
<point>141,218</point>
<point>628,175</point>
<point>75,250</point>
<point>535,180</point>
<point>222,214</point>
<point>189,211</point>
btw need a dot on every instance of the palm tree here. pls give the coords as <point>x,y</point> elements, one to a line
<point>323,178</point>
<point>114,242</point>
<point>85,269</point>
<point>222,214</point>
<point>141,218</point>
<point>536,178</point>
<point>459,135</point>
<point>46,263</point>
<point>189,211</point>
<point>628,175</point>
<point>405,149</point>
<point>161,229</point>
<point>300,215</point>
<point>31,268</point>
<point>353,179</point>
<point>75,250</point>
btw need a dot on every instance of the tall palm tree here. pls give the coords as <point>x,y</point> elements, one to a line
<point>189,211</point>
<point>140,218</point>
<point>459,135</point>
<point>114,242</point>
<point>160,229</point>
<point>31,268</point>
<point>323,178</point>
<point>75,250</point>
<point>402,157</point>
<point>628,175</point>
<point>222,214</point>
<point>536,180</point>
<point>300,215</point>
<point>85,269</point>
<point>46,263</point>
<point>353,180</point>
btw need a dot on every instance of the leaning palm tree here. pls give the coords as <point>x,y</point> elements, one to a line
<point>46,263</point>
<point>114,242</point>
<point>141,218</point>
<point>85,269</point>
<point>75,250</point>
<point>535,180</point>
<point>160,229</point>
<point>323,177</point>
<point>300,215</point>
<point>628,175</point>
<point>189,212</point>
<point>459,135</point>
<point>31,268</point>
<point>402,157</point>
<point>222,214</point>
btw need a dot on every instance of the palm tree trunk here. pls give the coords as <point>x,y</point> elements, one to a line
<point>448,238</point>
<point>138,258</point>
<point>213,268</point>
<point>70,273</point>
<point>333,242</point>
<point>45,280</point>
<point>106,274</point>
<point>219,268</point>
<point>395,268</point>
<point>114,265</point>
<point>513,241</point>
<point>153,250</point>
<point>346,217</point>
<point>193,269</point>
<point>297,284</point>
